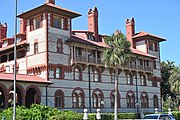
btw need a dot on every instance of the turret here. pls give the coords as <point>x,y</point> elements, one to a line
<point>93,22</point>
<point>130,30</point>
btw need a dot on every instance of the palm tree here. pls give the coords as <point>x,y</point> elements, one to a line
<point>116,54</point>
<point>175,79</point>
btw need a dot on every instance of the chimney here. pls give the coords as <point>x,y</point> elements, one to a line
<point>23,24</point>
<point>50,1</point>
<point>3,31</point>
<point>130,25</point>
<point>93,22</point>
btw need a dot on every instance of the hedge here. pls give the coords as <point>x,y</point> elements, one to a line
<point>41,112</point>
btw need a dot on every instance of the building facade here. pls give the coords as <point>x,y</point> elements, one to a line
<point>63,68</point>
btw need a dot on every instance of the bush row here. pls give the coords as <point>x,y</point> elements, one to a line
<point>41,112</point>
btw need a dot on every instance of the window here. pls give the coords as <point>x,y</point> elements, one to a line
<point>154,64</point>
<point>58,47</point>
<point>112,77</point>
<point>97,98</point>
<point>58,72</point>
<point>143,80</point>
<point>35,48</point>
<point>129,78</point>
<point>5,43</point>
<point>112,99</point>
<point>36,23</point>
<point>154,83</point>
<point>60,22</point>
<point>153,45</point>
<point>90,36</point>
<point>155,101</point>
<point>130,99</point>
<point>78,98</point>
<point>7,69</point>
<point>76,74</point>
<point>59,99</point>
<point>144,100</point>
<point>96,76</point>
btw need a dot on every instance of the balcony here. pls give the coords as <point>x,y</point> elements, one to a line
<point>86,56</point>
<point>80,58</point>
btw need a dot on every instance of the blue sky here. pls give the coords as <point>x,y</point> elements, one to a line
<point>159,17</point>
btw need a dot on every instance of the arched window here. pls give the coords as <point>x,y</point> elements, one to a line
<point>143,80</point>
<point>58,72</point>
<point>76,74</point>
<point>59,99</point>
<point>96,76</point>
<point>130,98</point>
<point>144,100</point>
<point>75,100</point>
<point>97,98</point>
<point>129,78</point>
<point>78,98</point>
<point>155,101</point>
<point>112,99</point>
<point>113,77</point>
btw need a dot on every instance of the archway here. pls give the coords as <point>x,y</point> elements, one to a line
<point>18,95</point>
<point>33,95</point>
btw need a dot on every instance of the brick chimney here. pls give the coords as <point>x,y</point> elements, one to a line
<point>93,22</point>
<point>3,31</point>
<point>130,31</point>
<point>23,24</point>
<point>50,1</point>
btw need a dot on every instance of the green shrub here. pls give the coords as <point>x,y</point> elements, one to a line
<point>127,116</point>
<point>177,115</point>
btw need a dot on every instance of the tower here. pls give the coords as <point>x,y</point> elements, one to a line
<point>93,22</point>
<point>130,25</point>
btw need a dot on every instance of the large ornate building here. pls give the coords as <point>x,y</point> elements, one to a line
<point>63,68</point>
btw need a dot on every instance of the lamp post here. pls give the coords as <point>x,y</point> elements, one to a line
<point>137,107</point>
<point>15,42</point>
<point>89,82</point>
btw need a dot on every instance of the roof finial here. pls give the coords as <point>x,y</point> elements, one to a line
<point>50,1</point>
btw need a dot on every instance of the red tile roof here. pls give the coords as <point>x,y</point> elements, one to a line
<point>12,45</point>
<point>136,51</point>
<point>48,7</point>
<point>82,38</point>
<point>23,78</point>
<point>142,33</point>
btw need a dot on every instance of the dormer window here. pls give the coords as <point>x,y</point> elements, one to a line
<point>19,39</point>
<point>152,45</point>
<point>90,36</point>
<point>36,23</point>
<point>59,22</point>
<point>5,43</point>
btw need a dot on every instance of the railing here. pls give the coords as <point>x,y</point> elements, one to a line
<point>99,61</point>
<point>80,58</point>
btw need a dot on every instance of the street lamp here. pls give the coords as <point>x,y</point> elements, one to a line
<point>15,42</point>
<point>89,82</point>
<point>137,107</point>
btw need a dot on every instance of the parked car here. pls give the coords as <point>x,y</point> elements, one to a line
<point>158,117</point>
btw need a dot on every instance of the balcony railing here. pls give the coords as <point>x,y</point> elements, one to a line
<point>99,61</point>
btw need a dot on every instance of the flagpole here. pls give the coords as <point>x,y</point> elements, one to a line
<point>15,42</point>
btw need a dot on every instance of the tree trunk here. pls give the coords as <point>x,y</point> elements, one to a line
<point>116,96</point>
